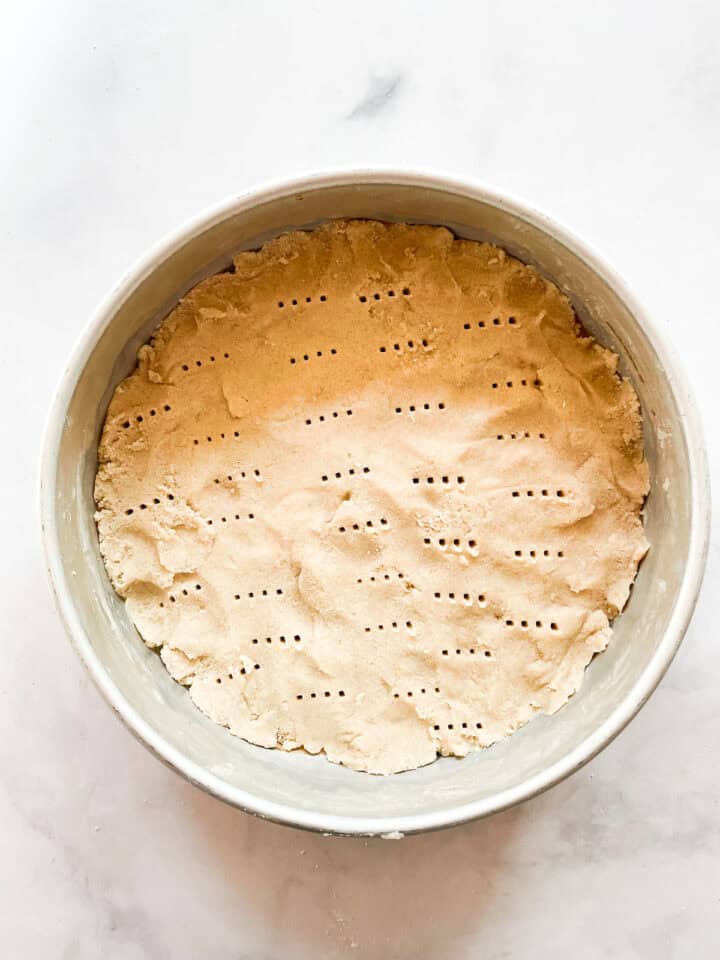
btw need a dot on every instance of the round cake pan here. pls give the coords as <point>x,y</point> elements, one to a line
<point>306,791</point>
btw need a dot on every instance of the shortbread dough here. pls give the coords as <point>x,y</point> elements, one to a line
<point>373,493</point>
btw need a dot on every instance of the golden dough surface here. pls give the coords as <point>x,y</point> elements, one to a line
<point>373,494</point>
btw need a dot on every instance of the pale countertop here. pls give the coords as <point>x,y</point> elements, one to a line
<point>122,120</point>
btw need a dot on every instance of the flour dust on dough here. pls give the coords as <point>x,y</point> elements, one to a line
<point>373,494</point>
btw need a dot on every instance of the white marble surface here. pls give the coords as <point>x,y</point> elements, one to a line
<point>121,120</point>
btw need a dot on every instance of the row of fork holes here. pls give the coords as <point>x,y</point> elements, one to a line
<point>539,553</point>
<point>338,475</point>
<point>369,524</point>
<point>455,542</point>
<point>517,383</point>
<point>527,624</point>
<point>210,359</point>
<point>463,598</point>
<point>445,480</point>
<point>237,516</point>
<point>425,406</point>
<point>296,638</point>
<point>313,696</point>
<point>364,298</point>
<point>385,576</point>
<point>153,412</point>
<point>495,322</point>
<point>256,473</point>
<point>393,626</point>
<point>144,506</point>
<point>460,726</point>
<point>471,651</point>
<point>519,436</point>
<point>252,594</point>
<point>295,301</point>
<point>411,345</point>
<point>543,493</point>
<point>221,436</point>
<point>185,592</point>
<point>335,414</point>
<point>243,671</point>
<point>420,692</point>
<point>319,353</point>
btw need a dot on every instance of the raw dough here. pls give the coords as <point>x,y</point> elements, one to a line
<point>375,494</point>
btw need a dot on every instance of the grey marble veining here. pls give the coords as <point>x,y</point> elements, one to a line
<point>380,93</point>
<point>120,121</point>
